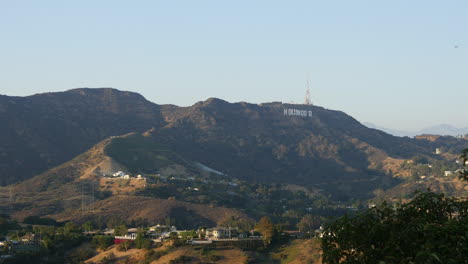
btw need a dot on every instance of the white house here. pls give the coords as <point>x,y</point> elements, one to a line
<point>119,174</point>
<point>448,173</point>
<point>129,236</point>
<point>221,232</point>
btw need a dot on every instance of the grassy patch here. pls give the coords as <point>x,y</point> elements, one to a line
<point>140,154</point>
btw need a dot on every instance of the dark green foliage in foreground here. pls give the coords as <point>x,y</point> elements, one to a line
<point>429,229</point>
<point>54,246</point>
<point>102,242</point>
<point>6,223</point>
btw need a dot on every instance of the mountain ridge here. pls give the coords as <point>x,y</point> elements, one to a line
<point>327,152</point>
<point>45,130</point>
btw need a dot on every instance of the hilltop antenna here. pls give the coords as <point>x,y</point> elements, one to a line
<point>307,100</point>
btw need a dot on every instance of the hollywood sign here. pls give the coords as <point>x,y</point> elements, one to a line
<point>297,112</point>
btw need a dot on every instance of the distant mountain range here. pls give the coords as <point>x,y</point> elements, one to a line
<point>255,141</point>
<point>442,129</point>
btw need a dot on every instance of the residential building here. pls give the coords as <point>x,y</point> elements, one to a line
<point>221,232</point>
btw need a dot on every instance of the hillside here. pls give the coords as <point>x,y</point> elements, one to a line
<point>76,191</point>
<point>306,145</point>
<point>214,163</point>
<point>328,150</point>
<point>44,130</point>
<point>294,252</point>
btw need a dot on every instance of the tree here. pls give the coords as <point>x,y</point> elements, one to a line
<point>379,195</point>
<point>419,159</point>
<point>464,158</point>
<point>102,242</point>
<point>309,223</point>
<point>244,225</point>
<point>187,235</point>
<point>141,241</point>
<point>120,230</point>
<point>47,242</point>
<point>114,221</point>
<point>429,229</point>
<point>70,227</point>
<point>267,229</point>
<point>88,226</point>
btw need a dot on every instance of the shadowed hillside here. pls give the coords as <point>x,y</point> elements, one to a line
<point>45,130</point>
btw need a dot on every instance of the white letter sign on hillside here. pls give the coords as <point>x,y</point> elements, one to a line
<point>297,112</point>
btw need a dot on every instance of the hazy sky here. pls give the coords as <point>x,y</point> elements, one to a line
<point>400,64</point>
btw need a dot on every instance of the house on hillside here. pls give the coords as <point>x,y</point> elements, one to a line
<point>131,235</point>
<point>162,228</point>
<point>221,233</point>
<point>448,173</point>
<point>28,239</point>
<point>119,174</point>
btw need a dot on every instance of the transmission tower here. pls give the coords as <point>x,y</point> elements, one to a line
<point>307,100</point>
<point>92,197</point>
<point>83,202</point>
<point>10,200</point>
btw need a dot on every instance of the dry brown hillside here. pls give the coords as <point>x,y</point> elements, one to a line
<point>72,191</point>
<point>300,251</point>
<point>154,210</point>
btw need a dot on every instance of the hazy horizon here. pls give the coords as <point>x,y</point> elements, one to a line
<point>398,64</point>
